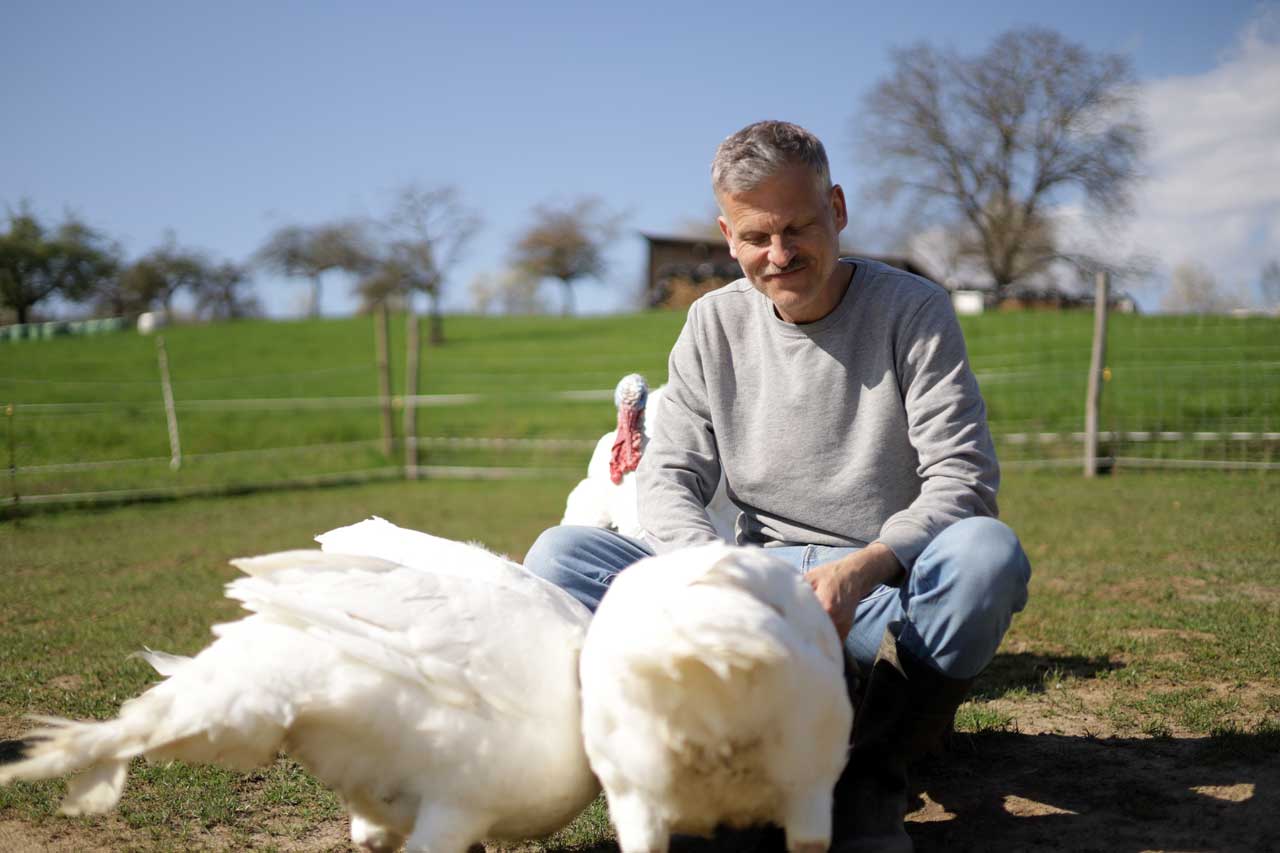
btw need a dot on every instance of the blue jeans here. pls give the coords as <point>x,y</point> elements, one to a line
<point>952,611</point>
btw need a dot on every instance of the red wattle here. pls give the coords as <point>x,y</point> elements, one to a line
<point>626,443</point>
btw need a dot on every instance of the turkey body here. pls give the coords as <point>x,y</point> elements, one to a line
<point>431,684</point>
<point>713,693</point>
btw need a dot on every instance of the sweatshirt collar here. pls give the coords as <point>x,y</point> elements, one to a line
<point>835,318</point>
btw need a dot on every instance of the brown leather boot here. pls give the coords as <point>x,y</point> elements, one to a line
<point>907,709</point>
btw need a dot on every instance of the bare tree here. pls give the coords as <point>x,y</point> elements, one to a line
<point>72,262</point>
<point>567,243</point>
<point>311,251</point>
<point>429,231</point>
<point>133,290</point>
<point>988,143</point>
<point>387,283</point>
<point>1195,290</point>
<point>223,294</point>
<point>155,279</point>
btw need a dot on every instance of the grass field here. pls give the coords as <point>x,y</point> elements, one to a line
<point>57,386</point>
<point>1135,704</point>
<point>97,400</point>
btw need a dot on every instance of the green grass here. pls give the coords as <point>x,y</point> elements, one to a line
<point>1180,374</point>
<point>1160,594</point>
<point>1154,608</point>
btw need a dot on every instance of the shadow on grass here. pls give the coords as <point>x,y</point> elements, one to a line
<point>1007,791</point>
<point>1026,672</point>
<point>999,791</point>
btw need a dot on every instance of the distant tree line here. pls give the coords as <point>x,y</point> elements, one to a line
<point>77,263</point>
<point>413,249</point>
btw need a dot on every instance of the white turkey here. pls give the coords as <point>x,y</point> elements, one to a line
<point>607,496</point>
<point>432,685</point>
<point>713,693</point>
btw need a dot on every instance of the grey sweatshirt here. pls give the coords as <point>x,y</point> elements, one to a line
<point>864,426</point>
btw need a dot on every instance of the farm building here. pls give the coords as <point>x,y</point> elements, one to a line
<point>683,268</point>
<point>1038,297</point>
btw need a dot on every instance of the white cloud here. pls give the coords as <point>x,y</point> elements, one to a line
<point>1212,192</point>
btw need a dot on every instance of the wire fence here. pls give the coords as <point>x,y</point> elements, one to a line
<point>1179,393</point>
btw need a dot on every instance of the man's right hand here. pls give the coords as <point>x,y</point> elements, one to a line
<point>842,584</point>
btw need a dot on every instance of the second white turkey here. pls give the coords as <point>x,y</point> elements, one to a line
<point>713,693</point>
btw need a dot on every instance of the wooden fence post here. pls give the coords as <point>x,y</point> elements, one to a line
<point>412,325</point>
<point>384,376</point>
<point>13,456</point>
<point>170,411</point>
<point>1093,400</point>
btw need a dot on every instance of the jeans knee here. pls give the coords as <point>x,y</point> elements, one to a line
<point>989,560</point>
<point>965,588</point>
<point>545,558</point>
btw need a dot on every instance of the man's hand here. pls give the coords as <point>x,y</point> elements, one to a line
<point>842,584</point>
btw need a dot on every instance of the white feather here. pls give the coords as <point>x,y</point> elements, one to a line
<point>598,502</point>
<point>432,684</point>
<point>713,692</point>
<point>162,662</point>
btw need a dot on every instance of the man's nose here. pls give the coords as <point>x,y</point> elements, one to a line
<point>780,251</point>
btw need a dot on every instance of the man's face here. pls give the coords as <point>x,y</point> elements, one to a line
<point>785,234</point>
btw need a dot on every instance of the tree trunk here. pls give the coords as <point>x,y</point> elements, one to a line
<point>566,306</point>
<point>315,296</point>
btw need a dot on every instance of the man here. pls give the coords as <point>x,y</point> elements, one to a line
<point>836,396</point>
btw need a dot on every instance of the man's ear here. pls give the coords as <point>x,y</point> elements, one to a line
<point>728,235</point>
<point>839,208</point>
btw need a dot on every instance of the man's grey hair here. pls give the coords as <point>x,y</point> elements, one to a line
<point>763,149</point>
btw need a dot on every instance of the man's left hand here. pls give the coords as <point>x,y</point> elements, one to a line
<point>840,585</point>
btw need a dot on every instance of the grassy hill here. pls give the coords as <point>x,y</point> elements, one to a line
<point>246,388</point>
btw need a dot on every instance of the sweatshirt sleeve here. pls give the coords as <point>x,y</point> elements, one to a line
<point>681,467</point>
<point>947,426</point>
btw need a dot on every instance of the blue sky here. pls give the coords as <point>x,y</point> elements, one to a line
<point>223,121</point>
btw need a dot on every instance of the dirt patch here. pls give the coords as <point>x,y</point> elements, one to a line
<point>70,836</point>
<point>69,683</point>
<point>1075,711</point>
<point>1266,595</point>
<point>1185,588</point>
<point>1160,633</point>
<point>1060,585</point>
<point>60,835</point>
